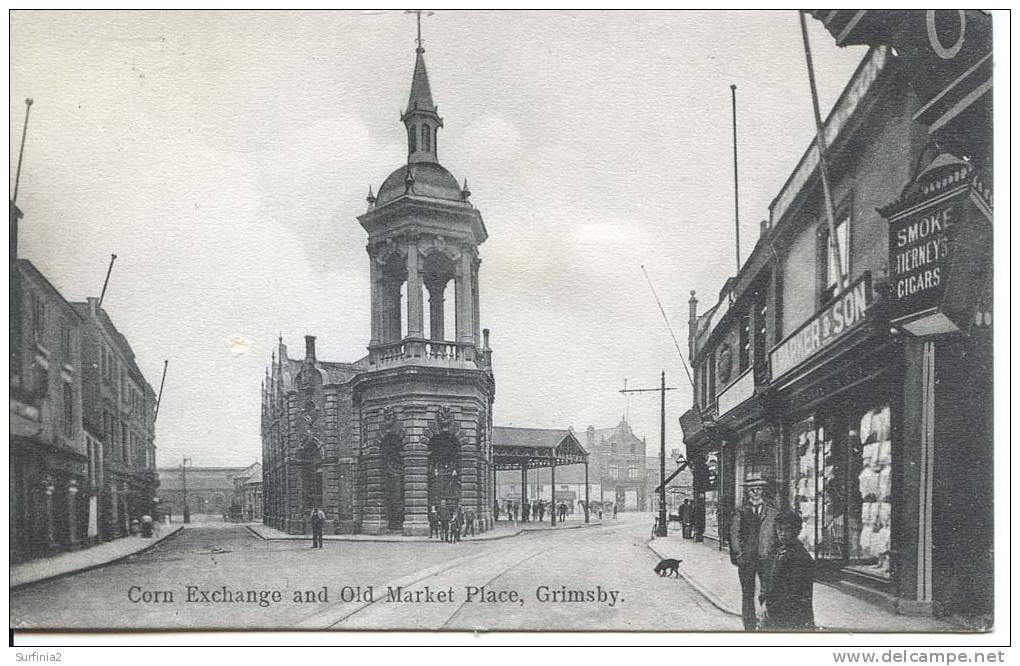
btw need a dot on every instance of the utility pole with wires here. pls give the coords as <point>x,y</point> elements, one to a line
<point>660,529</point>
<point>185,461</point>
<point>820,145</point>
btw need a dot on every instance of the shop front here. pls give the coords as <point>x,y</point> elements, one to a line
<point>838,389</point>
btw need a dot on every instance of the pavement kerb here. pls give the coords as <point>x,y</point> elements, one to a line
<point>341,537</point>
<point>698,587</point>
<point>97,565</point>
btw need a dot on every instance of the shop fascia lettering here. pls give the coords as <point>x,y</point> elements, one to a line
<point>848,310</point>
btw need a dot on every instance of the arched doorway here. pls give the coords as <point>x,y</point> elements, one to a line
<point>443,471</point>
<point>393,483</point>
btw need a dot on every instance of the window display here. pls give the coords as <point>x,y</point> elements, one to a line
<point>841,477</point>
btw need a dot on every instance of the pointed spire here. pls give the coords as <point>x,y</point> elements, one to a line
<point>421,117</point>
<point>465,193</point>
<point>370,198</point>
<point>421,93</point>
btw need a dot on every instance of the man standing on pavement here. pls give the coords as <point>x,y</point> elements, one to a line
<point>318,519</point>
<point>753,540</point>
<point>443,514</point>
<point>685,518</point>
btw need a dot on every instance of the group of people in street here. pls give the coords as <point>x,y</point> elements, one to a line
<point>527,511</point>
<point>776,572</point>
<point>450,524</point>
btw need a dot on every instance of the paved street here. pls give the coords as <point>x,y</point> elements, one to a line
<point>529,582</point>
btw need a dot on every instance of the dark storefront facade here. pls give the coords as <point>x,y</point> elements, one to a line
<point>872,413</point>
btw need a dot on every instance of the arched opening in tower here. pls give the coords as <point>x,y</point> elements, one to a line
<point>393,290</point>
<point>438,273</point>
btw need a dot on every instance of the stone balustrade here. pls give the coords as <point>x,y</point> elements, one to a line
<point>416,351</point>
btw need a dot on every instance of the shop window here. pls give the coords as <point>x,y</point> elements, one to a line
<point>835,276</point>
<point>841,484</point>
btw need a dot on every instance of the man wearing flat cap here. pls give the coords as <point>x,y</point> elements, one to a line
<point>752,541</point>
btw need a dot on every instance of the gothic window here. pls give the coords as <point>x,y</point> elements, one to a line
<point>68,411</point>
<point>38,316</point>
<point>426,138</point>
<point>412,136</point>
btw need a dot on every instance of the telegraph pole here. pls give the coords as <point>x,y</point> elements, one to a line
<point>661,530</point>
<point>184,487</point>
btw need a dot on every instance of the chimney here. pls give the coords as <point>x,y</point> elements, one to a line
<point>310,348</point>
<point>764,227</point>
<point>93,305</point>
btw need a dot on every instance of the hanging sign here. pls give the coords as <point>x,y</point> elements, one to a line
<point>938,249</point>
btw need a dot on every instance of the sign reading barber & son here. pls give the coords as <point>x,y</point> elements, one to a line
<point>845,312</point>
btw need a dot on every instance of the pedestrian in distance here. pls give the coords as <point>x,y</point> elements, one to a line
<point>433,522</point>
<point>469,524</point>
<point>600,513</point>
<point>752,543</point>
<point>456,524</point>
<point>616,507</point>
<point>541,511</point>
<point>495,511</point>
<point>563,511</point>
<point>317,519</point>
<point>443,514</point>
<point>789,599</point>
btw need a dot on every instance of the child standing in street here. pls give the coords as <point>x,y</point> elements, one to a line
<point>789,597</point>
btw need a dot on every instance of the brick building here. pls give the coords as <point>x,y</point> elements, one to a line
<point>119,418</point>
<point>375,441</point>
<point>51,473</point>
<point>210,490</point>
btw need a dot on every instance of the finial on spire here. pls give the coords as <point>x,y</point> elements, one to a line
<point>465,193</point>
<point>419,12</point>
<point>370,198</point>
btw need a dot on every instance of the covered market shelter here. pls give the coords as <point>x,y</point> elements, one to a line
<point>535,448</point>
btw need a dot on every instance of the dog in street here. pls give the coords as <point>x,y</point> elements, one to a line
<point>667,566</point>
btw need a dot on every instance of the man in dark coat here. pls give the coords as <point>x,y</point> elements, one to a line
<point>443,513</point>
<point>685,518</point>
<point>752,542</point>
<point>318,519</point>
<point>788,601</point>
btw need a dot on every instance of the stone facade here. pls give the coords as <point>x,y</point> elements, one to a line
<point>375,442</point>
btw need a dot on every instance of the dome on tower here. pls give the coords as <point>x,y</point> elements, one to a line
<point>430,179</point>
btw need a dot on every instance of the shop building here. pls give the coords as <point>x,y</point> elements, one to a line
<point>861,389</point>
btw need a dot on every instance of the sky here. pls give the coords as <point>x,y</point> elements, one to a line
<point>225,156</point>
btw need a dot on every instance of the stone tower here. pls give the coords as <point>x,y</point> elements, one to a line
<point>424,407</point>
